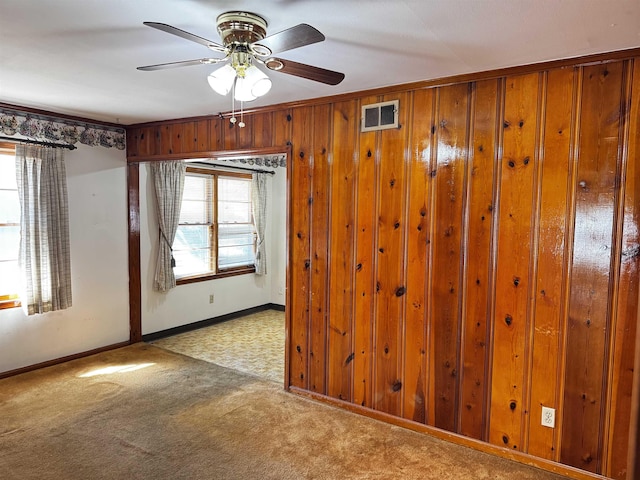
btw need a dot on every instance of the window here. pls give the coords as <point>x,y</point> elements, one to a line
<point>9,228</point>
<point>216,235</point>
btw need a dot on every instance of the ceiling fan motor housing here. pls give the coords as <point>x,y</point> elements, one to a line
<point>241,28</point>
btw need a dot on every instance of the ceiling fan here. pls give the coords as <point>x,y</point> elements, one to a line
<point>245,42</point>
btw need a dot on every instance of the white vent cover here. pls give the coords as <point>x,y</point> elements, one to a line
<point>379,116</point>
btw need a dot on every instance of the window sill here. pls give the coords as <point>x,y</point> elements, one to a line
<point>212,276</point>
<point>4,304</point>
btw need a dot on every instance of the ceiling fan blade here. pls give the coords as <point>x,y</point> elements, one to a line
<point>185,63</point>
<point>293,37</point>
<point>309,72</point>
<point>186,35</point>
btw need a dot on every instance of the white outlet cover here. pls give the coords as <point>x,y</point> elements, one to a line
<point>548,417</point>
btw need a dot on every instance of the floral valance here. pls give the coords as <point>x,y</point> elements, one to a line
<point>38,127</point>
<point>273,161</point>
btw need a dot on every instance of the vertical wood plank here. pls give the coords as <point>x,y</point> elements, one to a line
<point>480,185</point>
<point>390,265</point>
<point>244,134</point>
<point>549,292</point>
<point>190,138</point>
<point>148,141</point>
<point>300,244</point>
<point>282,127</point>
<point>176,133</point>
<point>513,261</point>
<point>217,127</point>
<point>133,142</point>
<point>262,129</point>
<point>342,222</point>
<point>319,248</point>
<point>446,287</point>
<point>417,238</point>
<point>202,135</point>
<point>365,231</point>
<point>589,318</point>
<point>624,340</point>
<point>231,132</point>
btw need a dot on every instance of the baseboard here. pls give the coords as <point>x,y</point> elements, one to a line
<point>56,361</point>
<point>150,337</point>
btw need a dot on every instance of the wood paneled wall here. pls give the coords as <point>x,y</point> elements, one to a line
<point>473,265</point>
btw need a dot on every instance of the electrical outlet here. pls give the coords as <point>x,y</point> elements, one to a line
<point>548,417</point>
<point>211,298</point>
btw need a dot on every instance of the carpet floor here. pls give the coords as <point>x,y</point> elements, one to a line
<point>252,344</point>
<point>141,412</point>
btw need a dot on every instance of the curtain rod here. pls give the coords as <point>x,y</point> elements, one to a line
<point>233,167</point>
<point>38,142</point>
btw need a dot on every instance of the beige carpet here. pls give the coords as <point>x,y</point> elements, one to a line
<point>141,412</point>
<point>252,344</point>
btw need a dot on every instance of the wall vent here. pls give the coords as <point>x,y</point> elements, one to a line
<point>379,116</point>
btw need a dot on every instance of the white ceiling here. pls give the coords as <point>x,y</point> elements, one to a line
<point>79,57</point>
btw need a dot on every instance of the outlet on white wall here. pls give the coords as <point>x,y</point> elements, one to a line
<point>549,417</point>
<point>211,298</point>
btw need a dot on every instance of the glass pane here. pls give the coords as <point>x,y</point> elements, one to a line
<point>236,256</point>
<point>191,237</point>
<point>9,277</point>
<point>234,189</point>
<point>7,171</point>
<point>194,211</point>
<point>9,243</point>
<point>9,206</point>
<point>229,212</point>
<point>235,234</point>
<point>191,262</point>
<point>245,239</point>
<point>197,187</point>
<point>227,229</point>
<point>192,250</point>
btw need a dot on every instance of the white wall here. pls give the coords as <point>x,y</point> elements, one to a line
<point>277,238</point>
<point>96,182</point>
<point>190,303</point>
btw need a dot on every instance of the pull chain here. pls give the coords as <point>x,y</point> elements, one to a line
<point>233,102</point>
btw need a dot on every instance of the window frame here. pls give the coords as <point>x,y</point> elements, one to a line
<point>213,232</point>
<point>9,299</point>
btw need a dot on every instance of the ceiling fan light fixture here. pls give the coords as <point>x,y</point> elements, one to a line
<point>243,90</point>
<point>221,80</point>
<point>258,81</point>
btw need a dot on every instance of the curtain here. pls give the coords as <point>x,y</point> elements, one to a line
<point>168,179</point>
<point>259,208</point>
<point>44,258</point>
